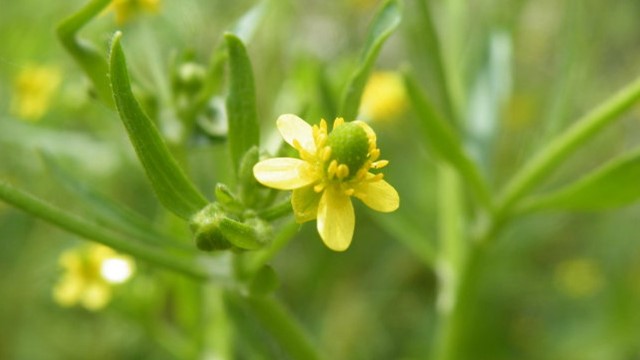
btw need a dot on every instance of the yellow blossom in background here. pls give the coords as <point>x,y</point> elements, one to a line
<point>33,89</point>
<point>127,9</point>
<point>578,278</point>
<point>384,97</point>
<point>332,168</point>
<point>89,273</point>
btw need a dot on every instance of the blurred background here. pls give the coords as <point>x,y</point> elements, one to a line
<point>558,286</point>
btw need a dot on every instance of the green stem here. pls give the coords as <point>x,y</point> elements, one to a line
<point>451,323</point>
<point>452,249</point>
<point>260,258</point>
<point>281,325</point>
<point>71,223</point>
<point>542,164</point>
<point>277,211</point>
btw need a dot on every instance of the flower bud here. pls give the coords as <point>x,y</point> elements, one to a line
<point>205,226</point>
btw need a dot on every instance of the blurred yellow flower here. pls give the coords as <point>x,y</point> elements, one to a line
<point>332,168</point>
<point>127,9</point>
<point>384,97</point>
<point>89,273</point>
<point>579,277</point>
<point>33,89</point>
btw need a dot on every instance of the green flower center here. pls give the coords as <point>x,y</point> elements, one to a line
<point>349,146</point>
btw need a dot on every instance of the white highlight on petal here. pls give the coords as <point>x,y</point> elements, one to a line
<point>116,270</point>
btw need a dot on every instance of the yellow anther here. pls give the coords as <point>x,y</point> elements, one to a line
<point>323,125</point>
<point>321,139</point>
<point>343,171</point>
<point>377,177</point>
<point>349,192</point>
<point>380,164</point>
<point>326,153</point>
<point>374,154</point>
<point>337,122</point>
<point>332,169</point>
<point>319,187</point>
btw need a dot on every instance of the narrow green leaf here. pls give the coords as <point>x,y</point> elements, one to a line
<point>563,145</point>
<point>41,209</point>
<point>90,59</point>
<point>108,213</point>
<point>383,25</point>
<point>429,57</point>
<point>444,142</point>
<point>174,190</point>
<point>242,114</point>
<point>614,184</point>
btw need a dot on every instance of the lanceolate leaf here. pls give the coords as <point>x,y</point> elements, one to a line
<point>244,130</point>
<point>385,22</point>
<point>615,184</point>
<point>444,141</point>
<point>171,185</point>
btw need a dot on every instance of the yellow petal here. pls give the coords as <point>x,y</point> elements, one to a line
<point>305,204</point>
<point>96,296</point>
<point>336,219</point>
<point>284,173</point>
<point>378,195</point>
<point>293,128</point>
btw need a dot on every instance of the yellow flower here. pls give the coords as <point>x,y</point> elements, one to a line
<point>126,9</point>
<point>384,96</point>
<point>89,273</point>
<point>332,168</point>
<point>33,89</point>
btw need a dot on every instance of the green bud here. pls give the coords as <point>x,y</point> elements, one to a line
<point>205,226</point>
<point>349,145</point>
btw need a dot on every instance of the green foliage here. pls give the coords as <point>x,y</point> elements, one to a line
<point>244,129</point>
<point>171,185</point>
<point>613,185</point>
<point>386,21</point>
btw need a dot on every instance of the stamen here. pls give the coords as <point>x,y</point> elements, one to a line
<point>319,187</point>
<point>380,164</point>
<point>332,169</point>
<point>374,154</point>
<point>323,125</point>
<point>326,153</point>
<point>376,177</point>
<point>337,122</point>
<point>343,171</point>
<point>321,139</point>
<point>361,174</point>
<point>349,192</point>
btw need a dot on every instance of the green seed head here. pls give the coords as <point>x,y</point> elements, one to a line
<point>349,145</point>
